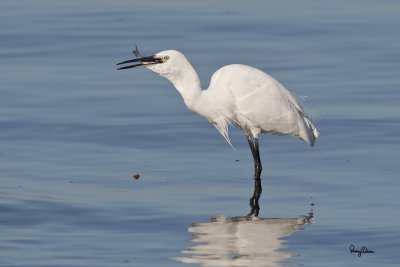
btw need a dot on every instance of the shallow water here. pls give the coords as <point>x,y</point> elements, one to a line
<point>74,131</point>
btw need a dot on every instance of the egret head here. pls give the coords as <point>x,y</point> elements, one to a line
<point>168,63</point>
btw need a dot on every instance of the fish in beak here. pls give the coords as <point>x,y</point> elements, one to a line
<point>140,60</point>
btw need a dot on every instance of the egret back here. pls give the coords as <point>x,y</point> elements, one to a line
<point>261,103</point>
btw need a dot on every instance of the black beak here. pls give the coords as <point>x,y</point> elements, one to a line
<point>143,61</point>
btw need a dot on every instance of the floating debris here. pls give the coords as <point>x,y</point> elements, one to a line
<point>136,176</point>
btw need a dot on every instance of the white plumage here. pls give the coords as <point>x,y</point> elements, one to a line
<point>238,94</point>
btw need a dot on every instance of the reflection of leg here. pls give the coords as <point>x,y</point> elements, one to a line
<point>254,206</point>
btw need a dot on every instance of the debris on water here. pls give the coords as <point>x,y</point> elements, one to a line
<point>136,176</point>
<point>236,160</point>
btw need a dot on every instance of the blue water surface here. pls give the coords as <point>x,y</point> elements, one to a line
<point>74,132</point>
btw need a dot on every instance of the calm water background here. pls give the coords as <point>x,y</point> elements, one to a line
<point>74,130</point>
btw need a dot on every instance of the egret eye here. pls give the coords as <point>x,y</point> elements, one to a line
<point>166,58</point>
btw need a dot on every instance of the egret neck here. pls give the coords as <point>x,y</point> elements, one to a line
<point>185,79</point>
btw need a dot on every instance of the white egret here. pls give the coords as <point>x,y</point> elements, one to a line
<point>238,95</point>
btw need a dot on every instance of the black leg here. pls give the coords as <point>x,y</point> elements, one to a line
<point>255,151</point>
<point>257,161</point>
<point>256,155</point>
<point>251,145</point>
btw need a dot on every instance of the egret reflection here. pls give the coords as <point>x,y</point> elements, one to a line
<point>242,241</point>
